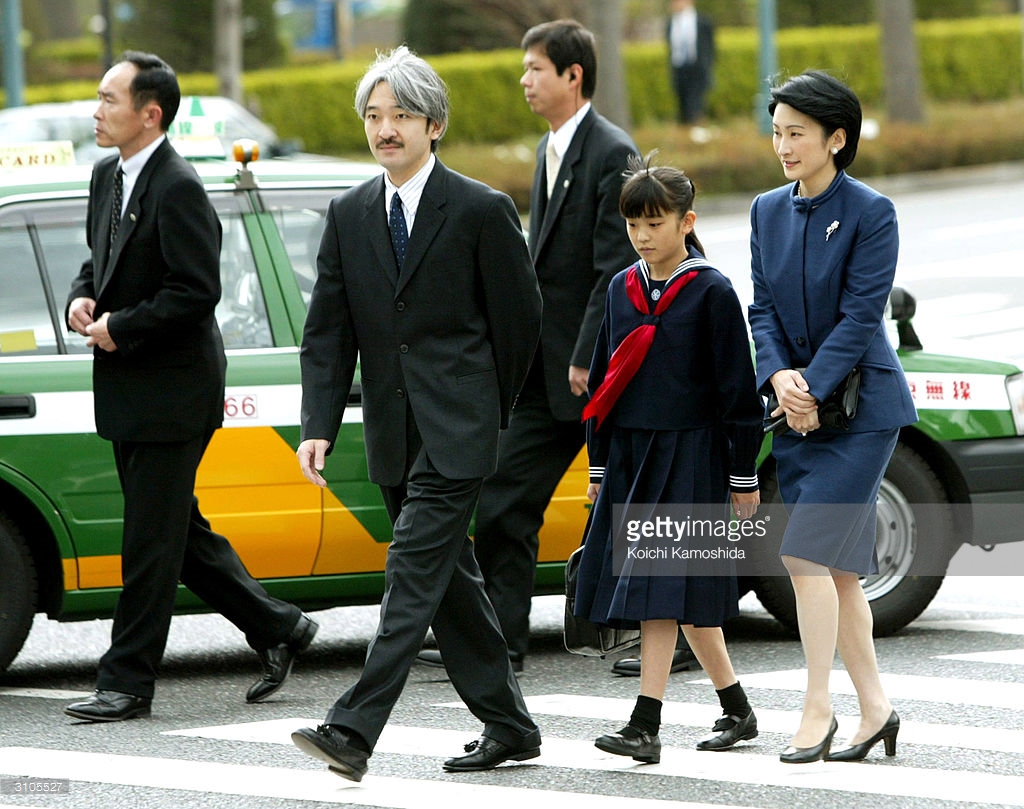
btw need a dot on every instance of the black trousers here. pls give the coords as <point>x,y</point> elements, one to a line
<point>167,539</point>
<point>432,581</point>
<point>690,83</point>
<point>534,453</point>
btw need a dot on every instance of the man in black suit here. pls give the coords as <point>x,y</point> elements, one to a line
<point>691,43</point>
<point>443,313</point>
<point>578,242</point>
<point>145,300</point>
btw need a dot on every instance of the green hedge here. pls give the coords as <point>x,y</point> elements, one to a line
<point>969,60</point>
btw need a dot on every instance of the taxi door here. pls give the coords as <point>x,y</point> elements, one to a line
<point>248,485</point>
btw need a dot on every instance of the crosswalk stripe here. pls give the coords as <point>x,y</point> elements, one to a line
<point>691,714</point>
<point>1008,657</point>
<point>747,766</point>
<point>686,714</point>
<point>307,785</point>
<point>988,693</point>
<point>1000,626</point>
<point>42,693</point>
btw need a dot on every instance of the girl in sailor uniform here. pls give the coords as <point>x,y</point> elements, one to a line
<point>674,421</point>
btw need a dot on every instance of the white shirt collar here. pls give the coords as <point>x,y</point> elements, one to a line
<point>409,192</point>
<point>563,137</point>
<point>132,168</point>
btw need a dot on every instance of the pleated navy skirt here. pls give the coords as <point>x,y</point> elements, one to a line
<point>646,467</point>
<point>829,483</point>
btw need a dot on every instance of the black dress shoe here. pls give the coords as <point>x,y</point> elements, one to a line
<point>277,660</point>
<point>858,752</point>
<point>332,745</point>
<point>486,753</point>
<point>632,742</point>
<point>109,706</point>
<point>682,660</point>
<point>807,755</point>
<point>432,657</point>
<point>729,730</point>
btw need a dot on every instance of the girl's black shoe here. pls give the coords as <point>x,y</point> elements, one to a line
<point>631,742</point>
<point>729,730</point>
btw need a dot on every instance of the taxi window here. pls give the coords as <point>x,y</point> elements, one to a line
<point>300,216</point>
<point>26,324</point>
<point>57,231</point>
<point>242,311</point>
<point>43,247</point>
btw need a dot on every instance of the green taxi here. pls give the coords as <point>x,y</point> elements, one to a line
<point>60,502</point>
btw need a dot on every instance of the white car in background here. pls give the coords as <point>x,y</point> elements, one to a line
<point>72,121</point>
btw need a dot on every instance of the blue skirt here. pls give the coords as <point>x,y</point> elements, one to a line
<point>829,483</point>
<point>645,467</point>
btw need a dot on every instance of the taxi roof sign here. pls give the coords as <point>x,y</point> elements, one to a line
<point>36,154</point>
<point>192,121</point>
<point>194,133</point>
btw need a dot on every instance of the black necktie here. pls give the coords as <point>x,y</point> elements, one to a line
<point>115,208</point>
<point>399,233</point>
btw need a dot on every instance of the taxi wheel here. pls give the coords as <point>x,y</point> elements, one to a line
<point>915,541</point>
<point>18,588</point>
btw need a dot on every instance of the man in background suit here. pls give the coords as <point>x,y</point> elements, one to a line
<point>578,242</point>
<point>145,302</point>
<point>443,314</point>
<point>691,43</point>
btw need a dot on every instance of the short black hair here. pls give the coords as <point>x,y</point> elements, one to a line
<point>566,43</point>
<point>651,191</point>
<point>154,81</point>
<point>829,102</point>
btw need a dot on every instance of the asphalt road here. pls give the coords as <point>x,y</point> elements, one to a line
<point>956,676</point>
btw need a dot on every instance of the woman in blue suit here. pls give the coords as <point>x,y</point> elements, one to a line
<point>823,258</point>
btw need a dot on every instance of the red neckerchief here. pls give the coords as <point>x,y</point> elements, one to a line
<point>628,357</point>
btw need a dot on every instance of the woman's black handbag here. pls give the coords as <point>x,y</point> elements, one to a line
<point>837,411</point>
<point>583,637</point>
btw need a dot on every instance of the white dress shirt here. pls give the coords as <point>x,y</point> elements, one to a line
<point>409,192</point>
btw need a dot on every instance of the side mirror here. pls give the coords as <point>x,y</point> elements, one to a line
<point>902,307</point>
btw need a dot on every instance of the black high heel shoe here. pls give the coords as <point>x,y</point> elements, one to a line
<point>858,752</point>
<point>805,755</point>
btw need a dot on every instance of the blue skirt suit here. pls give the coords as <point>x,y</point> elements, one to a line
<point>822,269</point>
<point>685,430</point>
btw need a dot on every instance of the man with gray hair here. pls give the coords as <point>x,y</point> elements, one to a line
<point>424,275</point>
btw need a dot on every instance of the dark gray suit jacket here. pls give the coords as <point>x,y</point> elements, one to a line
<point>450,339</point>
<point>578,242</point>
<point>161,284</point>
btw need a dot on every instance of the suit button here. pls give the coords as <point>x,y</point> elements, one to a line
<point>800,341</point>
<point>400,306</point>
<point>401,393</point>
<point>404,348</point>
